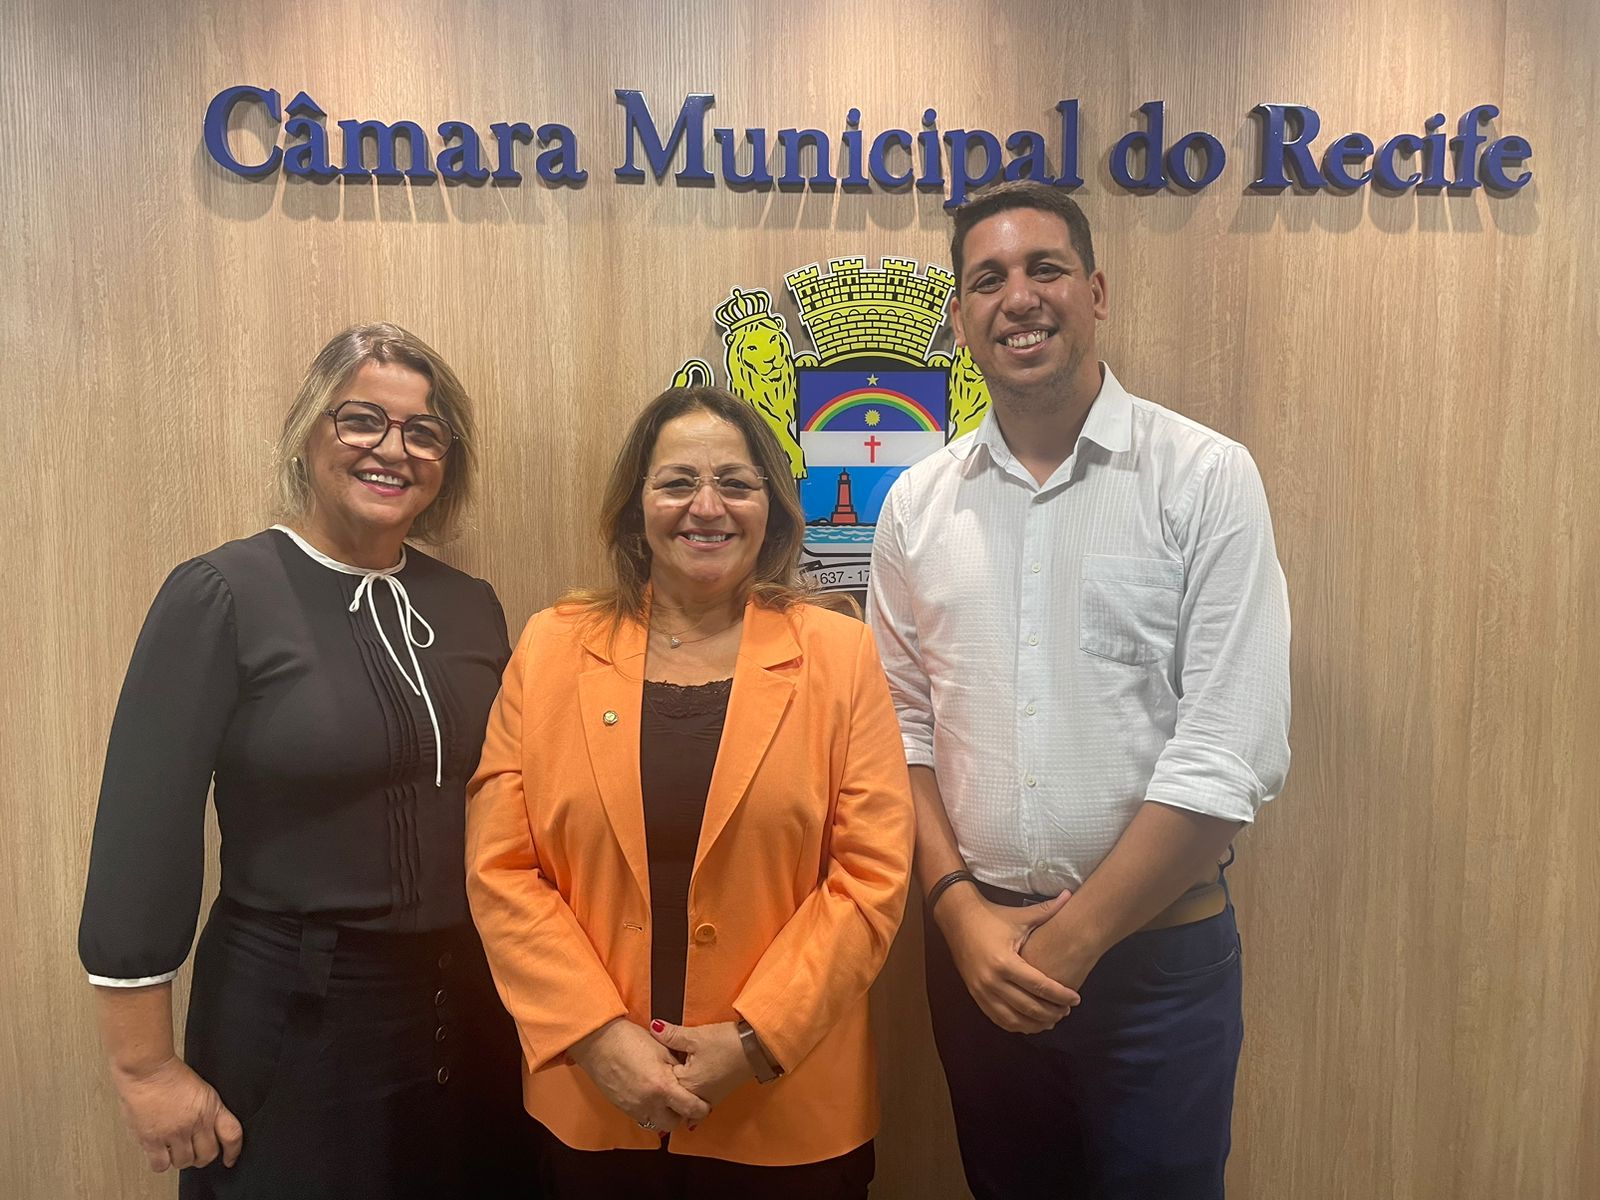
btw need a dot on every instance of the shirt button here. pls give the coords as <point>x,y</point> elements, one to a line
<point>1030,781</point>
<point>1033,639</point>
<point>438,998</point>
<point>443,1075</point>
<point>1030,710</point>
<point>439,1034</point>
<point>705,933</point>
<point>445,960</point>
<point>1035,568</point>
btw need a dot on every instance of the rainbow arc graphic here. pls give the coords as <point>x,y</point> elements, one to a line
<point>875,401</point>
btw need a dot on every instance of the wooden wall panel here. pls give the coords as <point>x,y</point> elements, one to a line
<point>1413,373</point>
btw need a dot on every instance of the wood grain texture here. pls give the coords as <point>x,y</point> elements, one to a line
<point>1413,373</point>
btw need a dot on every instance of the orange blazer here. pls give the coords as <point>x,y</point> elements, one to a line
<point>799,880</point>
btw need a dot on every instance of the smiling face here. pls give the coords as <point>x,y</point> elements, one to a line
<point>708,547</point>
<point>364,497</point>
<point>1026,309</point>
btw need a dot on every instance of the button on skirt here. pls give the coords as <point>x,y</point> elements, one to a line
<point>378,1065</point>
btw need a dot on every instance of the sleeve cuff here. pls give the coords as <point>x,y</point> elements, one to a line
<point>1214,783</point>
<point>917,755</point>
<point>145,981</point>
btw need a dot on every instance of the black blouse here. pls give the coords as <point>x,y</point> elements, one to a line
<point>678,742</point>
<point>252,669</point>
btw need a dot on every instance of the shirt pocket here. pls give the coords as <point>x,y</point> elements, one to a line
<point>1128,608</point>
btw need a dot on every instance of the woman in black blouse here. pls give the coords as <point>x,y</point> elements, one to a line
<point>343,1036</point>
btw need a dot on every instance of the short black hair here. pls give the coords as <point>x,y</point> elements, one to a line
<point>1021,193</point>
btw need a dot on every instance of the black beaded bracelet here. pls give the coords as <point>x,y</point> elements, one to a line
<point>945,883</point>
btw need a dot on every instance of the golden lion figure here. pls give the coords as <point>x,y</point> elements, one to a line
<point>762,367</point>
<point>966,390</point>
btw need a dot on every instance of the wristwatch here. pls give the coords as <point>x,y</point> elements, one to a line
<point>760,1061</point>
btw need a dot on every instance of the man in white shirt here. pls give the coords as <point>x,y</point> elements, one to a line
<point>1086,631</point>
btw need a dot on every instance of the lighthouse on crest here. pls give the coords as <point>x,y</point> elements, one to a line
<point>844,512</point>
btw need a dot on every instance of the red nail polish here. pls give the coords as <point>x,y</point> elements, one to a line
<point>659,1026</point>
<point>692,1128</point>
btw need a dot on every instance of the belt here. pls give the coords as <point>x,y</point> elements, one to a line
<point>1197,904</point>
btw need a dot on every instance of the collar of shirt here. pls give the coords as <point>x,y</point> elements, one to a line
<point>333,564</point>
<point>1109,425</point>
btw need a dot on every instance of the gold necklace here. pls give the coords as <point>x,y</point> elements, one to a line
<point>674,640</point>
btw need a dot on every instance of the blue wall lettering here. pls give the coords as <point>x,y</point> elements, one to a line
<point>559,164</point>
<point>757,175</point>
<point>794,142</point>
<point>1210,152</point>
<point>1069,177</point>
<point>220,111</point>
<point>383,137</point>
<point>853,178</point>
<point>1350,150</point>
<point>955,161</point>
<point>1288,130</point>
<point>688,130</point>
<point>309,158</point>
<point>1386,169</point>
<point>1286,134</point>
<point>877,161</point>
<point>462,163</point>
<point>1149,142</point>
<point>507,138</point>
<point>304,151</point>
<point>962,143</point>
<point>931,177</point>
<point>1507,152</point>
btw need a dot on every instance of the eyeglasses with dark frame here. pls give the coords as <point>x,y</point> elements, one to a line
<point>364,425</point>
<point>736,485</point>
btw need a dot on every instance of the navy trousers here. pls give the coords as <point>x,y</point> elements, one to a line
<point>1130,1097</point>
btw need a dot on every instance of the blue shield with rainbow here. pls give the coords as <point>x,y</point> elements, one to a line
<point>860,426</point>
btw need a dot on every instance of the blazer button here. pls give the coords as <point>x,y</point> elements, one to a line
<point>705,934</point>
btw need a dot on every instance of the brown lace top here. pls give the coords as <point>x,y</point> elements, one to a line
<point>678,742</point>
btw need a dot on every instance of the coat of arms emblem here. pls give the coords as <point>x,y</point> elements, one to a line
<point>873,397</point>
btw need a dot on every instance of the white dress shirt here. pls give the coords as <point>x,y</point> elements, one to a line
<point>1061,653</point>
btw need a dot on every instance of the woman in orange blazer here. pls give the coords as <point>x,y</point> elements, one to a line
<point>689,838</point>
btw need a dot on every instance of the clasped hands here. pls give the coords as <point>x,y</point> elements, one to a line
<point>666,1075</point>
<point>1023,975</point>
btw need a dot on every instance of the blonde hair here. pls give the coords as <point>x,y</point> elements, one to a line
<point>332,369</point>
<point>776,582</point>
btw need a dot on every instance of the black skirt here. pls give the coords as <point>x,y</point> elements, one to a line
<point>378,1065</point>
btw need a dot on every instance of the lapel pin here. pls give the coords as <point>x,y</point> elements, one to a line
<point>609,717</point>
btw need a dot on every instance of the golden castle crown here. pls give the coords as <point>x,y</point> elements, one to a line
<point>891,312</point>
